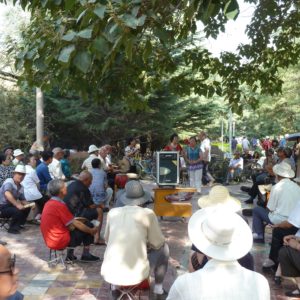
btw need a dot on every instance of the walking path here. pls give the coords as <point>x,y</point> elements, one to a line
<point>83,280</point>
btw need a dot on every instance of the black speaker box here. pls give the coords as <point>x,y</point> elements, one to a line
<point>167,168</point>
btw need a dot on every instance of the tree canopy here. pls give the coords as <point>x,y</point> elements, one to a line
<point>117,50</point>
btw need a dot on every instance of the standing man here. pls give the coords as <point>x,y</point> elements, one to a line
<point>245,144</point>
<point>234,143</point>
<point>206,154</point>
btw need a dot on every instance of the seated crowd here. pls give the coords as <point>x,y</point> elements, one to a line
<point>70,211</point>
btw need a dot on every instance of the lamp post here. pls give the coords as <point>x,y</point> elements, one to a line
<point>39,117</point>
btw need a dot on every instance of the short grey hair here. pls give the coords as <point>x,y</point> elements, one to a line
<point>54,186</point>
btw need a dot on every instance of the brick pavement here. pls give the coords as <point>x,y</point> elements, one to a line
<point>83,280</point>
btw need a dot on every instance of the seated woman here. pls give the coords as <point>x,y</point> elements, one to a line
<point>31,187</point>
<point>6,170</point>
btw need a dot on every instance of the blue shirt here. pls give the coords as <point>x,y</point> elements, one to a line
<point>43,174</point>
<point>98,186</point>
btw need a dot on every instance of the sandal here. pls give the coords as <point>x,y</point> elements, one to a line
<point>293,294</point>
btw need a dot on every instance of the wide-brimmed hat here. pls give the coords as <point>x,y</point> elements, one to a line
<point>20,169</point>
<point>219,195</point>
<point>17,152</point>
<point>93,148</point>
<point>132,176</point>
<point>220,234</point>
<point>135,194</point>
<point>284,169</point>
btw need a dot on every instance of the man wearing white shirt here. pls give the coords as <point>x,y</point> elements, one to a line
<point>93,153</point>
<point>283,199</point>
<point>55,169</point>
<point>245,144</point>
<point>224,237</point>
<point>235,167</point>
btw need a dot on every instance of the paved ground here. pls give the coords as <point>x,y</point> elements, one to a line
<point>83,281</point>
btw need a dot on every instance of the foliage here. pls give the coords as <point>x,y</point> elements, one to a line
<point>17,118</point>
<point>114,50</point>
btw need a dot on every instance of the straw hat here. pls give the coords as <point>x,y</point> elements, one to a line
<point>220,234</point>
<point>219,195</point>
<point>135,194</point>
<point>20,169</point>
<point>284,170</point>
<point>18,152</point>
<point>93,148</point>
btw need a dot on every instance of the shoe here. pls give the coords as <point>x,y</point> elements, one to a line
<point>13,231</point>
<point>89,258</point>
<point>3,243</point>
<point>293,294</point>
<point>249,201</point>
<point>268,263</point>
<point>162,296</point>
<point>245,188</point>
<point>105,209</point>
<point>70,258</point>
<point>277,280</point>
<point>247,212</point>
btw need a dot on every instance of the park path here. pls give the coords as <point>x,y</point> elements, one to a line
<point>83,280</point>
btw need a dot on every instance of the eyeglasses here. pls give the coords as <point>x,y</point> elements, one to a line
<point>12,263</point>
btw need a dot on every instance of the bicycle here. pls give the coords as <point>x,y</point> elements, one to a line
<point>146,168</point>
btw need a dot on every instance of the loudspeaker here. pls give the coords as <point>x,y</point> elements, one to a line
<point>167,168</point>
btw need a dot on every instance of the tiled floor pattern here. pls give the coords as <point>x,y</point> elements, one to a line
<point>83,280</point>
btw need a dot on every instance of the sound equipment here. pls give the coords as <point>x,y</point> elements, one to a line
<point>167,168</point>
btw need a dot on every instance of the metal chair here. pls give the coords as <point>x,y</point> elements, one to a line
<point>58,257</point>
<point>132,292</point>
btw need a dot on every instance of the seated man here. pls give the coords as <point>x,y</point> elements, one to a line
<point>55,168</point>
<point>8,276</point>
<point>223,237</point>
<point>93,153</point>
<point>18,157</point>
<point>266,176</point>
<point>80,203</point>
<point>289,258</point>
<point>42,170</point>
<point>135,243</point>
<point>10,192</point>
<point>99,189</point>
<point>283,199</point>
<point>59,227</point>
<point>235,167</point>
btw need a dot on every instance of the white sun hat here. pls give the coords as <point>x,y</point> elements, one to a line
<point>219,195</point>
<point>284,169</point>
<point>93,148</point>
<point>17,152</point>
<point>20,169</point>
<point>220,234</point>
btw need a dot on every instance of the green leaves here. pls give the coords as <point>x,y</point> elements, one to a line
<point>65,54</point>
<point>231,9</point>
<point>133,22</point>
<point>82,61</point>
<point>85,34</point>
<point>100,11</point>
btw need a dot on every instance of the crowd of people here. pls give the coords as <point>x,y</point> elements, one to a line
<point>69,209</point>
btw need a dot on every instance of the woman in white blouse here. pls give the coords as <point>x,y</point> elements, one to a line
<point>31,186</point>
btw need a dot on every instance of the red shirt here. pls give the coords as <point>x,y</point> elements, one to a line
<point>172,148</point>
<point>55,220</point>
